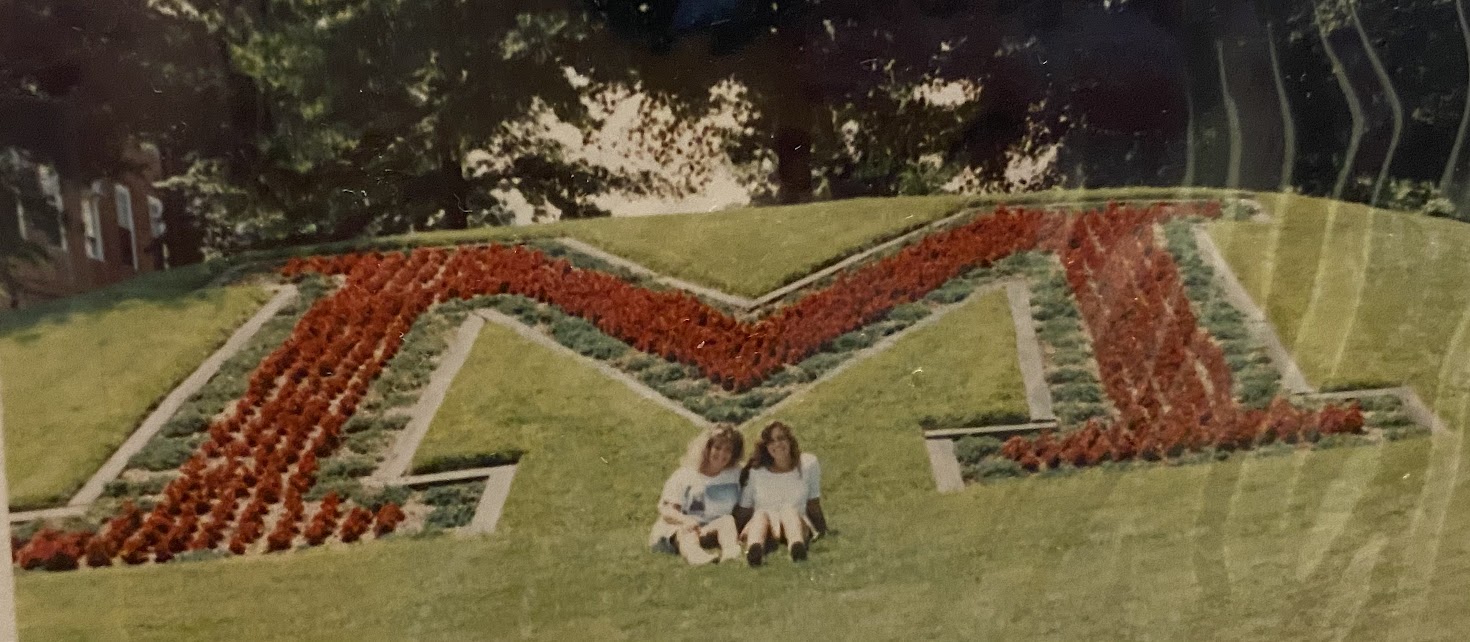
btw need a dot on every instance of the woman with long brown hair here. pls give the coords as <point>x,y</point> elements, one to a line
<point>782,498</point>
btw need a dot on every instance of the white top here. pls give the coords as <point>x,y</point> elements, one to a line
<point>770,491</point>
<point>705,498</point>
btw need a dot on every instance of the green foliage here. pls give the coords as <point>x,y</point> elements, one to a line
<point>1444,208</point>
<point>1380,403</point>
<point>1240,209</point>
<point>162,453</point>
<point>201,556</point>
<point>1076,413</point>
<point>347,466</point>
<point>343,487</point>
<point>369,442</point>
<point>583,337</point>
<point>910,312</point>
<point>970,450</point>
<point>853,341</point>
<point>125,488</point>
<point>719,408</point>
<point>1070,374</point>
<point>1388,418</point>
<point>663,372</point>
<point>787,376</point>
<point>1411,195</point>
<point>383,422</point>
<point>953,291</point>
<point>187,421</point>
<point>820,363</point>
<point>373,498</point>
<point>992,468</point>
<point>1076,393</point>
<point>452,494</point>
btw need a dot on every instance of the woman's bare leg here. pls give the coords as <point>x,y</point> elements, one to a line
<point>795,531</point>
<point>691,550</point>
<point>755,537</point>
<point>723,529</point>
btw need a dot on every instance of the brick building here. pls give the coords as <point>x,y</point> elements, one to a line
<point>111,230</point>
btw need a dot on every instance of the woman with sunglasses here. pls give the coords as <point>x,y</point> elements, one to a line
<point>782,498</point>
<point>694,510</point>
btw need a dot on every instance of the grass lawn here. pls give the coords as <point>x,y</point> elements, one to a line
<point>79,374</point>
<point>1363,543</point>
<point>750,251</point>
<point>1359,295</point>
<point>567,417</point>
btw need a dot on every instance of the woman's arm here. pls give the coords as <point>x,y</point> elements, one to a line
<point>814,513</point>
<point>673,514</point>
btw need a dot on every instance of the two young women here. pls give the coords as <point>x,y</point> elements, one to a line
<point>711,501</point>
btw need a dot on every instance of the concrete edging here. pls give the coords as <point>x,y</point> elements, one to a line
<point>1012,429</point>
<point>674,282</point>
<point>1259,326</point>
<point>400,455</point>
<point>946,466</point>
<point>151,425</point>
<point>1028,352</point>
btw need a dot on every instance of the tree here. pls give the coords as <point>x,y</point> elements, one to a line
<point>376,105</point>
<point>22,206</point>
<point>85,82</point>
<point>804,64</point>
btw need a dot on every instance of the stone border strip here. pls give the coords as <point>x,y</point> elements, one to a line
<point>778,293</point>
<point>48,513</point>
<point>946,466</point>
<point>882,345</point>
<point>400,456</point>
<point>1260,327</point>
<point>154,422</point>
<point>492,500</point>
<point>993,431</point>
<point>434,479</point>
<point>1028,352</point>
<point>674,282</point>
<point>492,503</point>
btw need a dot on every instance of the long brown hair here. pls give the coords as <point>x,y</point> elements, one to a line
<point>761,458</point>
<point>705,441</point>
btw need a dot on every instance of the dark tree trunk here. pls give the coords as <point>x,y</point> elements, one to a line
<point>795,107</point>
<point>181,236</point>
<point>453,193</point>
<point>793,145</point>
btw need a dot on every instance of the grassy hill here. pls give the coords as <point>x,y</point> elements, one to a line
<point>1358,543</point>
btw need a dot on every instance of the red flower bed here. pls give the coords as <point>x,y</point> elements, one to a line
<point>263,452</point>
<point>1167,378</point>
<point>735,354</point>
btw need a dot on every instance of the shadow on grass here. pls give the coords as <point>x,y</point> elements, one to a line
<point>171,289</point>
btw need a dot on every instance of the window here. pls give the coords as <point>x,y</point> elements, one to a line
<point>155,221</point>
<point>92,226</point>
<point>127,232</point>
<point>20,219</point>
<point>51,186</point>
